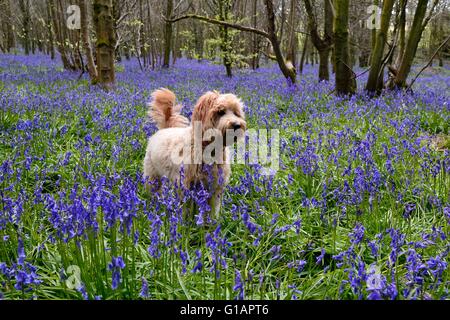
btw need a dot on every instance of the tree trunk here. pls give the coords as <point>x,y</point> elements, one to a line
<point>224,10</point>
<point>51,37</point>
<point>304,52</point>
<point>117,12</point>
<point>411,46</point>
<point>255,37</point>
<point>324,57</point>
<point>104,26</point>
<point>176,46</point>
<point>67,37</point>
<point>10,38</point>
<point>142,51</point>
<point>293,39</point>
<point>324,44</point>
<point>58,37</point>
<point>364,59</point>
<point>375,80</point>
<point>152,55</point>
<point>373,33</point>
<point>26,20</point>
<point>345,80</point>
<point>76,52</point>
<point>282,20</point>
<point>402,37</point>
<point>198,41</point>
<point>92,69</point>
<point>168,34</point>
<point>441,32</point>
<point>287,71</point>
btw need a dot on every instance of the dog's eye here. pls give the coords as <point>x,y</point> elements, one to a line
<point>221,113</point>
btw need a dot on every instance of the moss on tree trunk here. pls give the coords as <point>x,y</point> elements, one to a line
<point>375,80</point>
<point>411,46</point>
<point>105,45</point>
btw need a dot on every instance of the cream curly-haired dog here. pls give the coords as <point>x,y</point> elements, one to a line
<point>218,120</point>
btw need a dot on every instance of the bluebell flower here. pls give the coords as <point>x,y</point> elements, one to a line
<point>319,259</point>
<point>198,262</point>
<point>275,251</point>
<point>82,289</point>
<point>144,288</point>
<point>239,285</point>
<point>115,266</point>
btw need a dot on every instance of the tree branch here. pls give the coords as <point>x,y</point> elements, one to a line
<point>218,22</point>
<point>428,63</point>
<point>271,57</point>
<point>427,19</point>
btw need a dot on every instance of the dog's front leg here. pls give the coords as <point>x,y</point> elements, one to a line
<point>215,202</point>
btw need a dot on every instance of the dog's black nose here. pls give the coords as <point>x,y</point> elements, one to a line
<point>236,126</point>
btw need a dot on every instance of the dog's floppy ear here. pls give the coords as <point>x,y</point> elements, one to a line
<point>203,105</point>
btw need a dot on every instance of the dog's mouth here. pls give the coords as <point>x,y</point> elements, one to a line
<point>232,136</point>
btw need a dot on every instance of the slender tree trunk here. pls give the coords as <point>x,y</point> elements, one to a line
<point>282,20</point>
<point>364,59</point>
<point>176,45</point>
<point>92,69</point>
<point>304,53</point>
<point>10,38</point>
<point>198,41</point>
<point>33,45</point>
<point>324,57</point>
<point>142,52</point>
<point>345,80</point>
<point>431,40</point>
<point>26,20</point>
<point>402,37</point>
<point>152,52</point>
<point>224,9</point>
<point>324,44</point>
<point>333,60</point>
<point>104,26</point>
<point>441,32</point>
<point>293,39</point>
<point>411,46</point>
<point>51,37</point>
<point>117,12</point>
<point>255,37</point>
<point>58,36</point>
<point>168,34</point>
<point>77,57</point>
<point>64,36</point>
<point>375,80</point>
<point>287,71</point>
<point>374,32</point>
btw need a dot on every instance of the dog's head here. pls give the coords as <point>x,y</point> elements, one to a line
<point>223,112</point>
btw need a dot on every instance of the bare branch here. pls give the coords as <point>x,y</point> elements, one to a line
<point>218,22</point>
<point>429,62</point>
<point>270,56</point>
<point>425,22</point>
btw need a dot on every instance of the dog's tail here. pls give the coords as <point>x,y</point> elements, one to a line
<point>164,112</point>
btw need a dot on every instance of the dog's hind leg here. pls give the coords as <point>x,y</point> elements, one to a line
<point>215,202</point>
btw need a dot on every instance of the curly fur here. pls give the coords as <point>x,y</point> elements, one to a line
<point>217,111</point>
<point>164,112</point>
